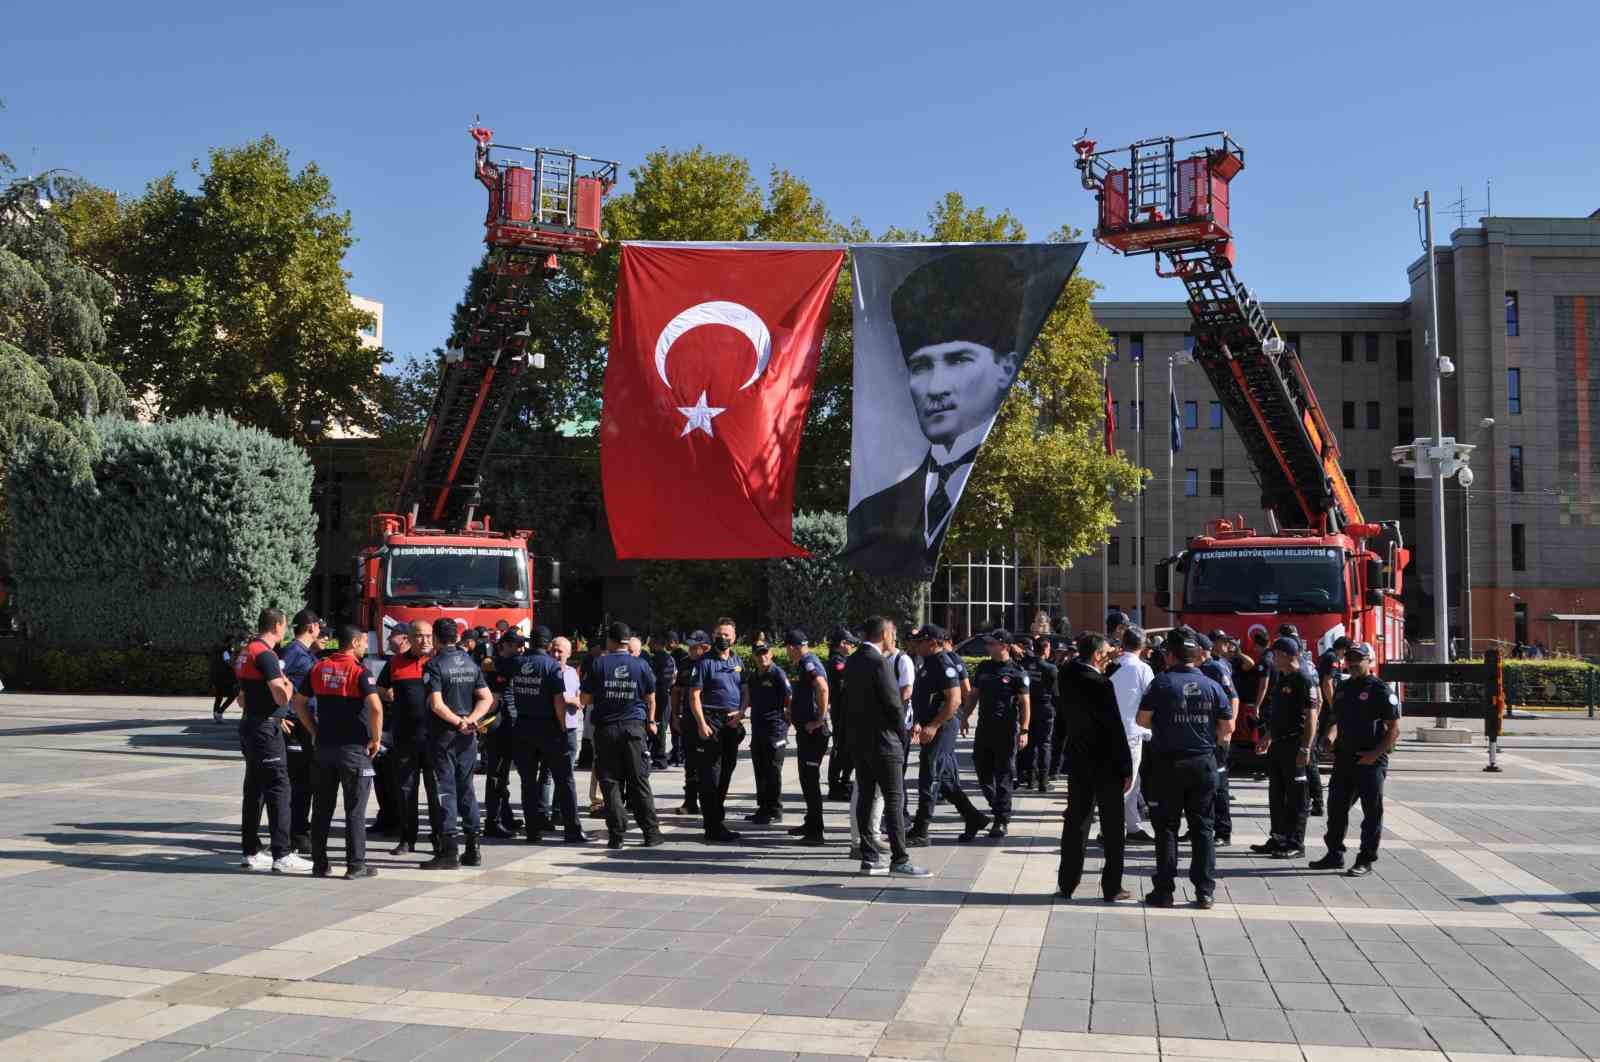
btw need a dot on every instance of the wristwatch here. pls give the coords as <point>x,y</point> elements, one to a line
<point>1024,730</point>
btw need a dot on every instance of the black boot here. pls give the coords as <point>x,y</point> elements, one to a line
<point>472,857</point>
<point>445,855</point>
<point>403,848</point>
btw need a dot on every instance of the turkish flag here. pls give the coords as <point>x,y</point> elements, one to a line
<point>714,350</point>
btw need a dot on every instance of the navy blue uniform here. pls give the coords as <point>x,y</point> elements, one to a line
<point>620,685</point>
<point>1362,710</point>
<point>298,747</point>
<point>841,765</point>
<point>536,689</point>
<point>938,774</point>
<point>687,739</point>
<point>266,769</point>
<point>665,667</point>
<point>769,737</point>
<point>498,753</point>
<point>341,685</point>
<point>718,681</point>
<point>1221,672</point>
<point>1000,685</point>
<point>1034,761</point>
<point>407,719</point>
<point>1289,698</point>
<point>452,755</point>
<point>1185,707</point>
<point>810,745</point>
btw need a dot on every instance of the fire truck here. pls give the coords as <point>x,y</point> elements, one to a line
<point>438,555</point>
<point>1320,565</point>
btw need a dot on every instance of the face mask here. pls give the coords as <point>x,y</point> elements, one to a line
<point>721,644</point>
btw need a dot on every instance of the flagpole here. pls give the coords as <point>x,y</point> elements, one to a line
<point>1138,512</point>
<point>1111,496</point>
<point>1172,399</point>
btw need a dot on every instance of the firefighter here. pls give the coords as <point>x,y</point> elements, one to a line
<point>498,821</point>
<point>809,714</point>
<point>1042,678</point>
<point>840,764</point>
<point>537,690</point>
<point>769,695</point>
<point>347,730</point>
<point>265,693</point>
<point>665,667</point>
<point>1000,690</point>
<point>619,688</point>
<point>299,657</point>
<point>1216,667</point>
<point>1291,726</point>
<point>935,700</point>
<point>458,697</point>
<point>1366,728</point>
<point>401,687</point>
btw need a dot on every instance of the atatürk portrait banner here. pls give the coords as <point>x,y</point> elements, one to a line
<point>941,331</point>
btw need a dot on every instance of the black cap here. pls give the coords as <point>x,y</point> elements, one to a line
<point>1202,641</point>
<point>1341,642</point>
<point>1178,638</point>
<point>514,638</point>
<point>1220,635</point>
<point>541,637</point>
<point>1000,634</point>
<point>931,632</point>
<point>1361,649</point>
<point>841,636</point>
<point>1286,644</point>
<point>796,636</point>
<point>760,648</point>
<point>699,638</point>
<point>1115,619</point>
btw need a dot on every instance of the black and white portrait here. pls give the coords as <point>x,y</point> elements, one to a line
<point>941,331</point>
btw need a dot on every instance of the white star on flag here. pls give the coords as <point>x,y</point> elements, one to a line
<point>699,416</point>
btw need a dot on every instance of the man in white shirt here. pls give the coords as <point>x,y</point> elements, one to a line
<point>561,649</point>
<point>1130,680</point>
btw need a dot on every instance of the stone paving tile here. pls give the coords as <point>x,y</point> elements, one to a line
<point>1534,1038</point>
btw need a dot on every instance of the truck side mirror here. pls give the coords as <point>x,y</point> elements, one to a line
<point>1375,577</point>
<point>1375,596</point>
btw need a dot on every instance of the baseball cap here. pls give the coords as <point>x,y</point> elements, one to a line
<point>796,636</point>
<point>1342,642</point>
<point>1361,649</point>
<point>760,648</point>
<point>1286,644</point>
<point>513,638</point>
<point>841,636</point>
<point>541,636</point>
<point>699,638</point>
<point>1220,635</point>
<point>934,632</point>
<point>1202,641</point>
<point>1177,639</point>
<point>1116,619</point>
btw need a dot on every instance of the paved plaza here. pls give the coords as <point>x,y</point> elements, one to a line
<point>128,931</point>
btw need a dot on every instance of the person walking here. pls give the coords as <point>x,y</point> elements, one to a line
<point>224,683</point>
<point>458,697</point>
<point>346,733</point>
<point>935,701</point>
<point>877,723</point>
<point>619,689</point>
<point>1188,717</point>
<point>1100,770</point>
<point>1366,728</point>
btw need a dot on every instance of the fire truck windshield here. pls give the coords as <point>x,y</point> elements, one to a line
<point>1271,579</point>
<point>443,575</point>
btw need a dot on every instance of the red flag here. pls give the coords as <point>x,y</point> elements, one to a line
<point>713,354</point>
<point>1111,418</point>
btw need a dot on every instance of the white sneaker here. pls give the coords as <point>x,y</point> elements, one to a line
<point>291,864</point>
<point>259,861</point>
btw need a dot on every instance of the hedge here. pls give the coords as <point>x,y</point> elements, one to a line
<point>146,672</point>
<point>173,536</point>
<point>1550,682</point>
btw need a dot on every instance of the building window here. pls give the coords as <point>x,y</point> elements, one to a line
<point>1519,547</point>
<point>1514,390</point>
<point>1216,482</point>
<point>1216,416</point>
<point>1191,415</point>
<point>1408,425</point>
<point>1114,551</point>
<point>1349,415</point>
<point>1374,416</point>
<point>1375,483</point>
<point>1136,346</point>
<point>1513,326</point>
<point>1372,347</point>
<point>370,330</point>
<point>1520,621</point>
<point>1191,482</point>
<point>1516,469</point>
<point>1402,359</point>
<point>1347,347</point>
<point>1111,355</point>
<point>1408,495</point>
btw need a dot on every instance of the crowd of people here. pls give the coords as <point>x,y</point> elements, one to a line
<point>1140,729</point>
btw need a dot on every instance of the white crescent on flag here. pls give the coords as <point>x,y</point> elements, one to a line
<point>731,314</point>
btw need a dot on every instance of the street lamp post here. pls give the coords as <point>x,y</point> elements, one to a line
<point>1465,478</point>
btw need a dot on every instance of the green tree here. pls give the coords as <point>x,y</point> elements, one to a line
<point>234,299</point>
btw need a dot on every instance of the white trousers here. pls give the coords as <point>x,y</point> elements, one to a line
<point>1130,802</point>
<point>877,812</point>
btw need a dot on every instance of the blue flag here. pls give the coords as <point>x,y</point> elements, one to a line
<point>1177,425</point>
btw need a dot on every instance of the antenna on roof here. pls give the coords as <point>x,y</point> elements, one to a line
<point>1461,209</point>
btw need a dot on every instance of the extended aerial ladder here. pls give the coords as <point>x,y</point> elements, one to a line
<point>436,555</point>
<point>545,203</point>
<point>1154,200</point>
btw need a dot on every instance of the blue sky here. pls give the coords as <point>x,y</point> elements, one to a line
<point>1346,111</point>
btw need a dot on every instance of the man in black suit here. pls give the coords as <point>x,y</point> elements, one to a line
<point>957,318</point>
<point>877,742</point>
